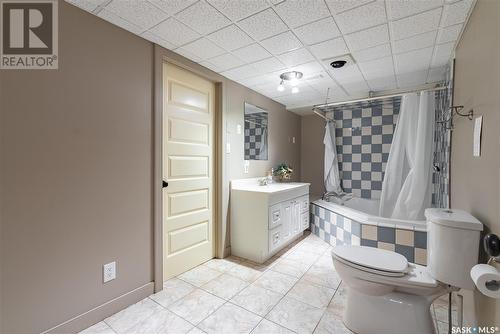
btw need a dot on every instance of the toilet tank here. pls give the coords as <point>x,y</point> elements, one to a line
<point>452,246</point>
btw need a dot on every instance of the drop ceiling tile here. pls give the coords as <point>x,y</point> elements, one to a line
<point>259,80</point>
<point>398,9</point>
<point>362,17</point>
<point>449,34</point>
<point>208,64</point>
<point>237,10</point>
<point>298,12</point>
<point>375,52</point>
<point>88,5</point>
<point>230,38</point>
<point>368,38</point>
<point>242,72</point>
<point>456,12</point>
<point>378,68</point>
<point>187,54</point>
<point>157,40</point>
<point>140,13</point>
<point>226,61</point>
<point>413,61</point>
<point>172,7</point>
<point>339,6</point>
<point>175,32</point>
<point>308,69</point>
<point>203,49</point>
<point>416,24</point>
<point>415,42</point>
<point>281,43</point>
<point>296,57</point>
<point>331,48</point>
<point>251,53</point>
<point>318,31</point>
<point>412,79</point>
<point>202,18</point>
<point>383,83</point>
<point>122,23</point>
<point>442,54</point>
<point>262,25</point>
<point>268,65</point>
<point>436,74</point>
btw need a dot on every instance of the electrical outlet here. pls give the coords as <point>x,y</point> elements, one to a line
<point>109,272</point>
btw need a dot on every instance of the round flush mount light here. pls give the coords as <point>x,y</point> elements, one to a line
<point>338,63</point>
<point>293,78</point>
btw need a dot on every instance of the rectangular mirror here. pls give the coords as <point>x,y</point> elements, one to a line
<point>255,133</point>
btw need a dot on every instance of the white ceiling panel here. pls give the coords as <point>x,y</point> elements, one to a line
<point>281,43</point>
<point>416,42</point>
<point>394,43</point>
<point>449,34</point>
<point>226,61</point>
<point>375,52</point>
<point>118,21</point>
<point>175,32</point>
<point>456,12</point>
<point>299,12</point>
<point>141,13</point>
<point>202,18</point>
<point>172,7</point>
<point>237,10</point>
<point>413,61</point>
<point>318,31</point>
<point>416,24</point>
<point>203,49</point>
<point>331,48</point>
<point>368,38</point>
<point>296,57</point>
<point>252,53</point>
<point>398,9</point>
<point>230,38</point>
<point>339,6</point>
<point>362,17</point>
<point>262,25</point>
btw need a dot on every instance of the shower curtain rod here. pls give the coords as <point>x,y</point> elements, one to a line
<point>372,98</point>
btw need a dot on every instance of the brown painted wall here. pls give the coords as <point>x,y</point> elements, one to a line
<point>76,169</point>
<point>312,151</point>
<point>475,182</point>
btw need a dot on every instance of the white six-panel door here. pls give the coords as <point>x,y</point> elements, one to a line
<point>188,119</point>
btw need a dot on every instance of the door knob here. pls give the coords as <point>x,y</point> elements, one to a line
<point>165,184</point>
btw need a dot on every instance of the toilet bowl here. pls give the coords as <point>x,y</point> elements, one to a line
<point>386,294</point>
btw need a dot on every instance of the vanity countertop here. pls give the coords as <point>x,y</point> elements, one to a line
<point>253,186</point>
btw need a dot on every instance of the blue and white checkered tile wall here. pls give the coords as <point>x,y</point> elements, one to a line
<point>255,124</point>
<point>363,134</point>
<point>336,230</point>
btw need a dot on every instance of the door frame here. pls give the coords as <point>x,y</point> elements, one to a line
<point>162,56</point>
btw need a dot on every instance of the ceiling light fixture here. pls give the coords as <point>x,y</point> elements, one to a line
<point>295,90</point>
<point>281,86</point>
<point>293,77</point>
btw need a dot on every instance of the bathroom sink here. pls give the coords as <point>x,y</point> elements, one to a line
<point>270,188</point>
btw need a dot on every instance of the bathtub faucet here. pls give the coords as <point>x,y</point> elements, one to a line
<point>341,197</point>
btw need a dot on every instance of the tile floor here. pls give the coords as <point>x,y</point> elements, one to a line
<point>297,291</point>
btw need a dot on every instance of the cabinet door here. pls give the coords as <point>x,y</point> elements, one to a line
<point>286,220</point>
<point>274,216</point>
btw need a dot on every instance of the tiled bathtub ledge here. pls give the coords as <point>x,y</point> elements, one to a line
<point>337,229</point>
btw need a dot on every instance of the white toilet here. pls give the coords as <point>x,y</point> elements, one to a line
<point>386,294</point>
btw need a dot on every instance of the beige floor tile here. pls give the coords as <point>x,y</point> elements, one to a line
<point>314,295</point>
<point>292,268</point>
<point>99,328</point>
<point>330,324</point>
<point>199,275</point>
<point>276,282</point>
<point>230,319</point>
<point>245,271</point>
<point>173,290</point>
<point>196,306</point>
<point>296,316</point>
<point>222,265</point>
<point>337,304</point>
<point>268,327</point>
<point>304,257</point>
<point>196,330</point>
<point>132,315</point>
<point>322,276</point>
<point>161,322</point>
<point>225,286</point>
<point>257,299</point>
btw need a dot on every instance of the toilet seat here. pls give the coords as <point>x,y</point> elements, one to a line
<point>375,260</point>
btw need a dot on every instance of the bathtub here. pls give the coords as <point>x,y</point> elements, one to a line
<point>356,222</point>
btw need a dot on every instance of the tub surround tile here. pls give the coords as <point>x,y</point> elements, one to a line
<point>386,246</point>
<point>257,300</point>
<point>421,256</point>
<point>230,319</point>
<point>369,232</point>
<point>196,306</point>
<point>405,237</point>
<point>386,234</point>
<point>295,315</point>
<point>131,316</point>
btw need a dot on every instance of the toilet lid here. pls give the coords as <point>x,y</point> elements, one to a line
<point>370,257</point>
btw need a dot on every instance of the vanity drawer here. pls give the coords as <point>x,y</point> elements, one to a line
<point>304,220</point>
<point>275,216</point>
<point>304,203</point>
<point>275,239</point>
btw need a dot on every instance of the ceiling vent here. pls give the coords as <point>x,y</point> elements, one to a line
<point>339,62</point>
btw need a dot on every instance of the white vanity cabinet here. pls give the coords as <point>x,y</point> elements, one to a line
<point>264,219</point>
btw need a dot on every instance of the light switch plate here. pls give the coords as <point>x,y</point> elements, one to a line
<point>109,271</point>
<point>238,129</point>
<point>228,147</point>
<point>246,166</point>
